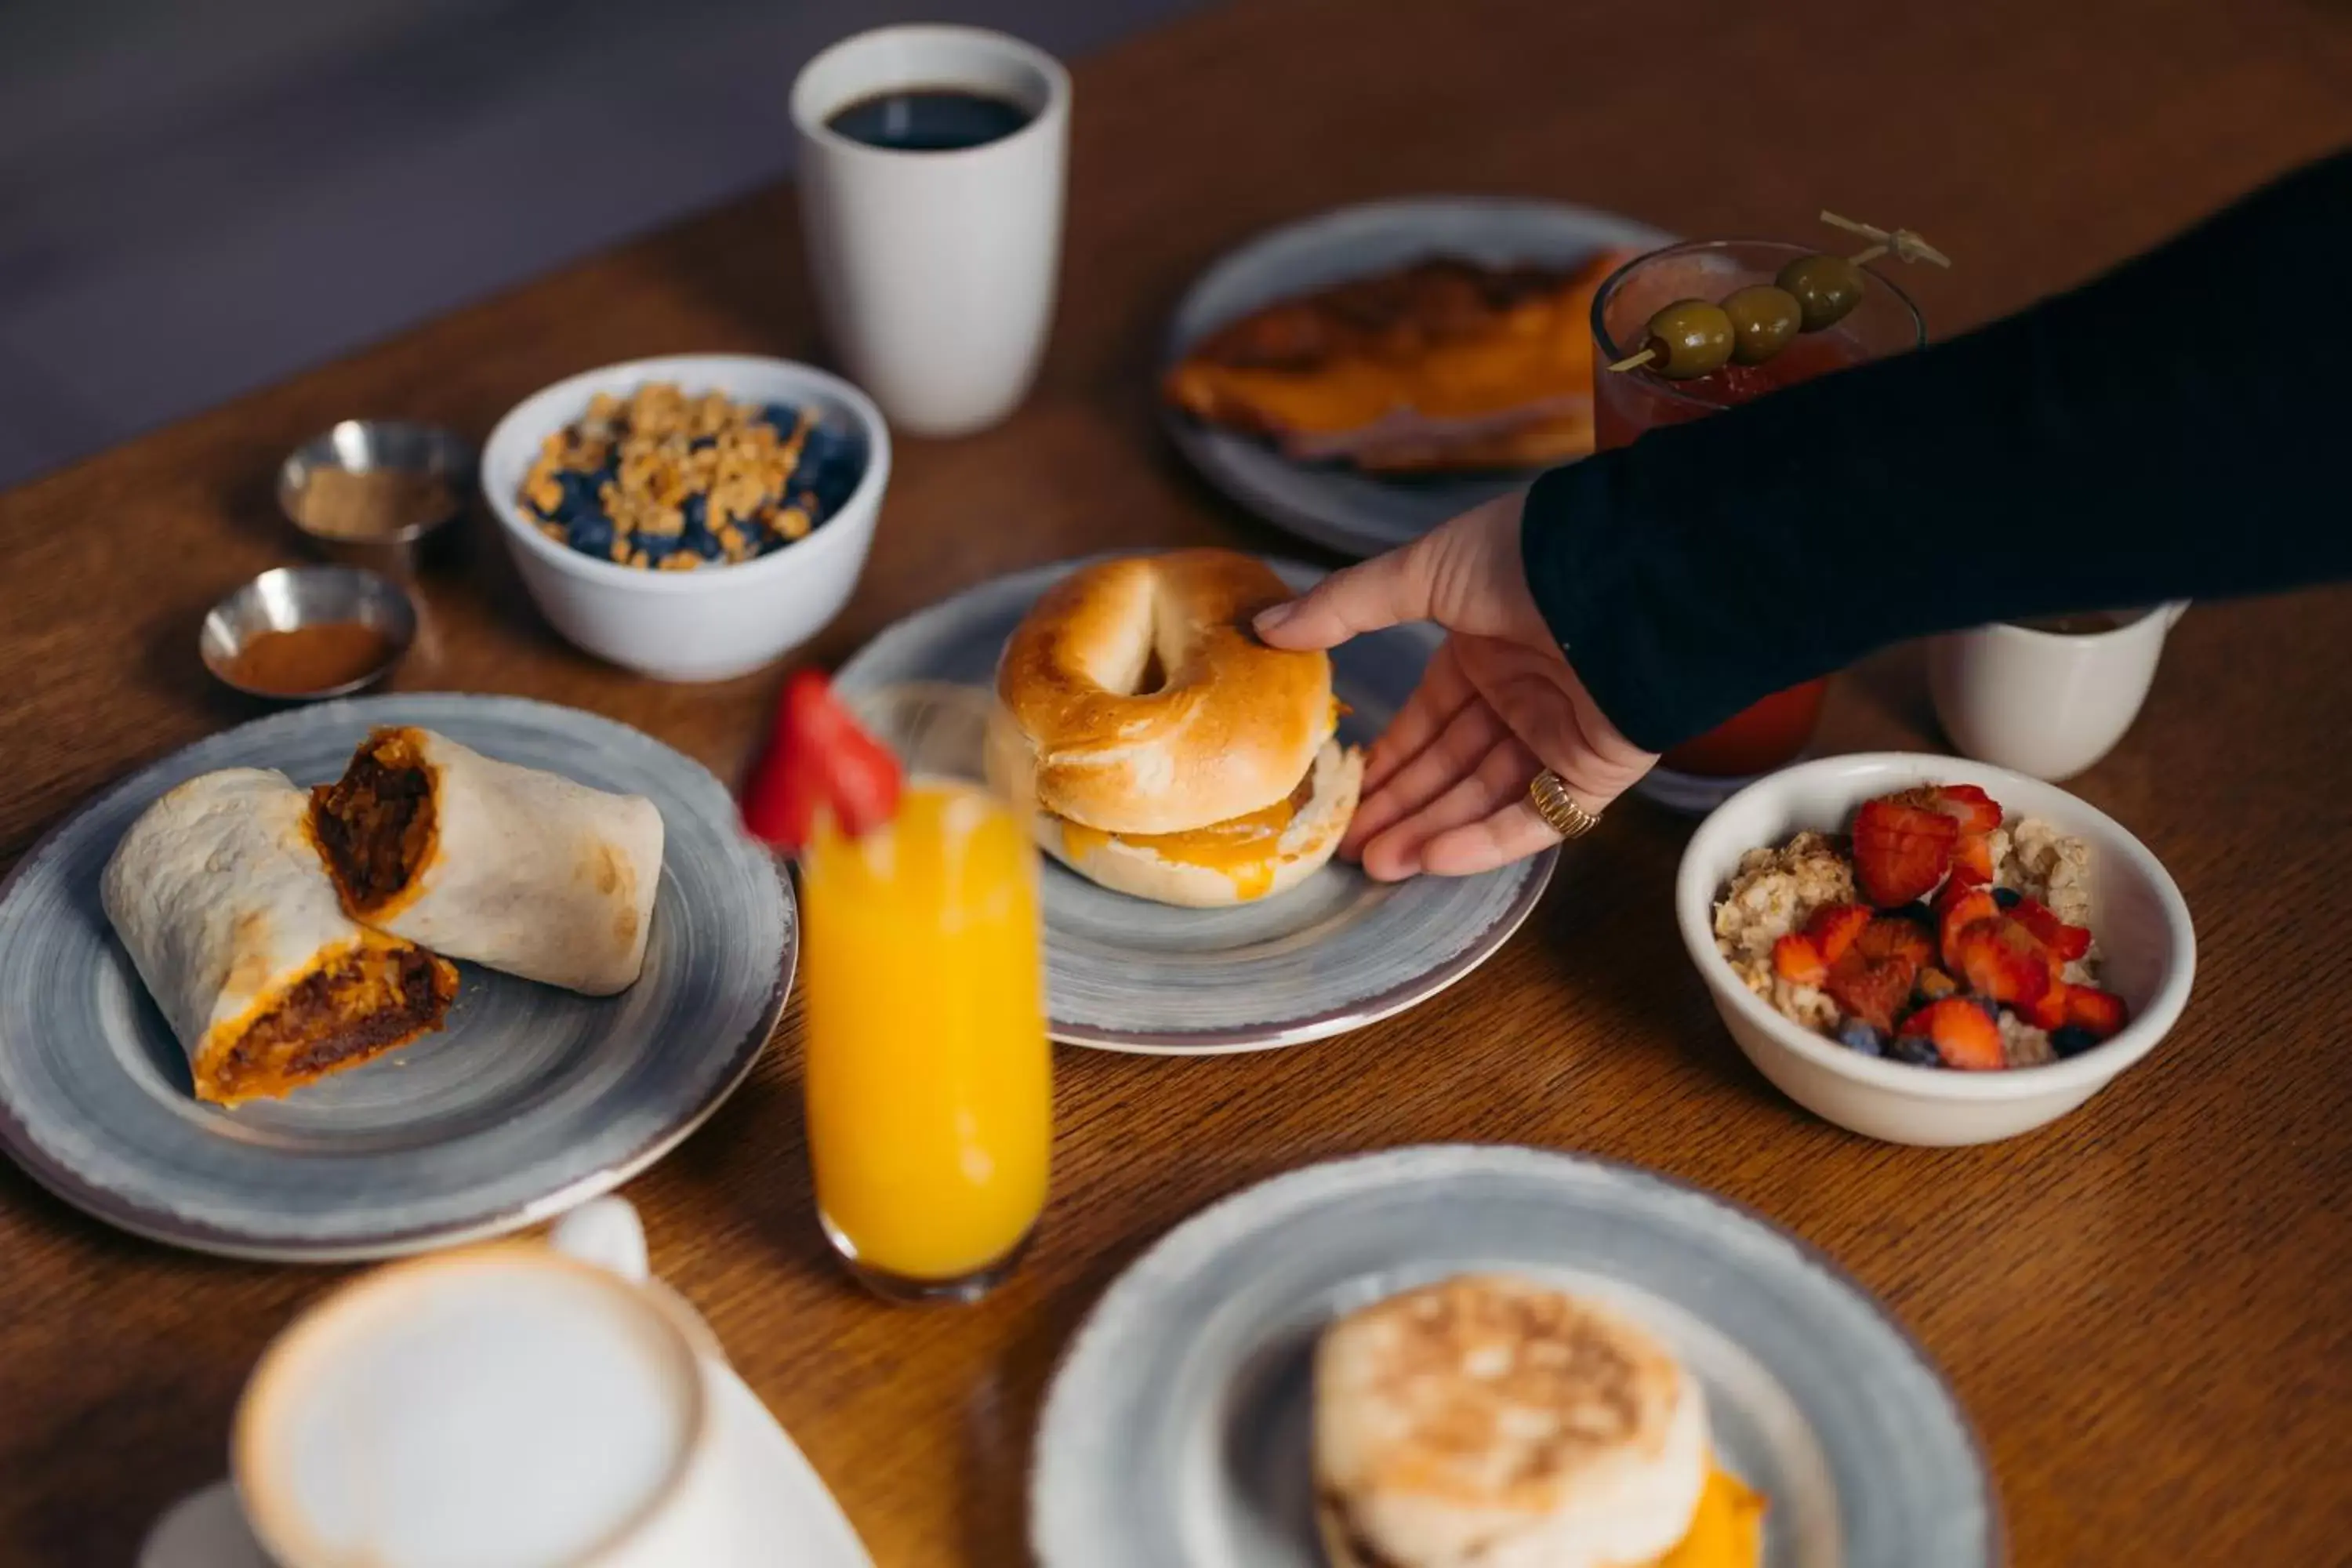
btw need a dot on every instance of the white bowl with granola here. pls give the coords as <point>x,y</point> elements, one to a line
<point>693,517</point>
<point>1972,919</point>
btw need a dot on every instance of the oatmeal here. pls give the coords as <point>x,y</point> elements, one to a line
<point>1937,932</point>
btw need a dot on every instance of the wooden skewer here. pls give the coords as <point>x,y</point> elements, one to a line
<point>1867,231</point>
<point>1904,244</point>
<point>1632,362</point>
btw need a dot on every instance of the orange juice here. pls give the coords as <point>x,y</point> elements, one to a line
<point>928,1077</point>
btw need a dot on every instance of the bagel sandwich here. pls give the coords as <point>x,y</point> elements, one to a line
<point>1171,755</point>
<point>1488,1421</point>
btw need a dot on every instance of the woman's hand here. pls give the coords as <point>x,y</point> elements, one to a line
<point>1446,789</point>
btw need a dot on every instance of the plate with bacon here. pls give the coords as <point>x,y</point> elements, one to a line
<point>1360,376</point>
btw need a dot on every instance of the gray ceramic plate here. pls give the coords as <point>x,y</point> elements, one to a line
<point>1176,1434</point>
<point>1332,505</point>
<point>531,1101</point>
<point>1334,954</point>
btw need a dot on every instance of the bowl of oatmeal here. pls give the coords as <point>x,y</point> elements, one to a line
<point>690,517</point>
<point>1931,950</point>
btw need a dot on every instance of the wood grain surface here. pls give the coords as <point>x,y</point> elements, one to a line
<point>2145,1307</point>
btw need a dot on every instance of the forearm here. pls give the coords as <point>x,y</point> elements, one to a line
<point>2167,431</point>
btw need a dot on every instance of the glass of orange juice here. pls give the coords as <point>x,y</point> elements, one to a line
<point>928,1074</point>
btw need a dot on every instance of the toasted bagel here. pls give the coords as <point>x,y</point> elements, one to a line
<point>1494,1421</point>
<point>1148,706</point>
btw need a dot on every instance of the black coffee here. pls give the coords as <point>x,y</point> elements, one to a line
<point>929,120</point>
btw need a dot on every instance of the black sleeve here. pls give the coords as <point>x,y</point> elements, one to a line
<point>2175,429</point>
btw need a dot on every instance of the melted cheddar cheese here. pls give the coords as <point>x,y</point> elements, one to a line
<point>1243,848</point>
<point>1728,1531</point>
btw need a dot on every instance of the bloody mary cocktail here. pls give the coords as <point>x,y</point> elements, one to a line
<point>1702,772</point>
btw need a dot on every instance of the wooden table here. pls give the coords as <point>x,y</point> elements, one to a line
<point>2145,1307</point>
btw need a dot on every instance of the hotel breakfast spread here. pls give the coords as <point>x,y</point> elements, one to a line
<point>1444,365</point>
<point>1492,1421</point>
<point>1171,755</point>
<point>1936,933</point>
<point>670,483</point>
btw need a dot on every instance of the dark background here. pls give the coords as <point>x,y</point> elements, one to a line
<point>200,196</point>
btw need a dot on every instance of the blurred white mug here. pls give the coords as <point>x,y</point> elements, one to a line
<point>2048,704</point>
<point>935,270</point>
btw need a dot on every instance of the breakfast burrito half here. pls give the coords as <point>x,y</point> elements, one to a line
<point>515,868</point>
<point>219,894</point>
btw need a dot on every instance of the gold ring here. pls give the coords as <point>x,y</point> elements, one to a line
<point>1559,811</point>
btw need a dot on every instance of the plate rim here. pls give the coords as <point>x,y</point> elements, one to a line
<point>1535,880</point>
<point>1395,1166</point>
<point>1195,443</point>
<point>61,1181</point>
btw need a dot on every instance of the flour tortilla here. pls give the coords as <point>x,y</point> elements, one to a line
<point>527,871</point>
<point>222,902</point>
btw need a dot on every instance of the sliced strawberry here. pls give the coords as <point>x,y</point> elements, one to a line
<point>2102,1013</point>
<point>1964,1037</point>
<point>1971,861</point>
<point>1834,926</point>
<point>1900,851</point>
<point>2069,943</point>
<point>1873,989</point>
<point>2047,1011</point>
<point>816,757</point>
<point>2000,959</point>
<point>1974,810</point>
<point>1796,960</point>
<point>1894,936</point>
<point>1958,913</point>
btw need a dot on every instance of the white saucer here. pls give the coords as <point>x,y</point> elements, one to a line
<point>788,1514</point>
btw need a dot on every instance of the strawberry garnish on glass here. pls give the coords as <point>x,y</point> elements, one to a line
<point>818,759</point>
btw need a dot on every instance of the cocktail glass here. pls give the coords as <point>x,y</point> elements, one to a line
<point>1703,772</point>
<point>927,1074</point>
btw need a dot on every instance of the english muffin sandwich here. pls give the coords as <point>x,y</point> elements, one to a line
<point>1492,1422</point>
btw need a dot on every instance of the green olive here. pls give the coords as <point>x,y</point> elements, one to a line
<point>1763,320</point>
<point>1826,287</point>
<point>1689,338</point>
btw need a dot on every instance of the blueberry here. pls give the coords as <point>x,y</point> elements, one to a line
<point>582,495</point>
<point>2072,1039</point>
<point>838,480</point>
<point>702,443</point>
<point>1858,1036</point>
<point>695,508</point>
<point>1919,1051</point>
<point>783,416</point>
<point>591,533</point>
<point>2006,897</point>
<point>659,547</point>
<point>1991,1008</point>
<point>702,541</point>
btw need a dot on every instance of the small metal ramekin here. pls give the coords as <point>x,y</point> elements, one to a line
<point>375,445</point>
<point>289,596</point>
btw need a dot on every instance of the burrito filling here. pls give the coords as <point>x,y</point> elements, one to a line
<point>379,995</point>
<point>375,823</point>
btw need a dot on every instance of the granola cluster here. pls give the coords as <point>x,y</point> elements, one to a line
<point>667,482</point>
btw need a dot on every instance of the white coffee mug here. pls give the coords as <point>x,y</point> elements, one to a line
<point>510,1404</point>
<point>935,271</point>
<point>2043,702</point>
